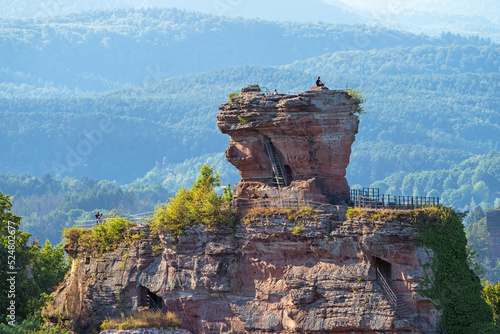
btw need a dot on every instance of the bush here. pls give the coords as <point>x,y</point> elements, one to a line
<point>233,96</point>
<point>296,230</point>
<point>200,205</point>
<point>104,237</point>
<point>145,319</point>
<point>357,94</point>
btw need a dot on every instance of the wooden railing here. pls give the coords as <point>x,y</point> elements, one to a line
<point>371,198</point>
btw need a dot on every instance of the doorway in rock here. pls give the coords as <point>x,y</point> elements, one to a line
<point>384,268</point>
<point>149,299</point>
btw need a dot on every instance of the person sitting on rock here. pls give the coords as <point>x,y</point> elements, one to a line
<point>319,83</point>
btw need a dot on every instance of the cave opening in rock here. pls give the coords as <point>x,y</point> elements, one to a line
<point>149,299</point>
<point>384,268</point>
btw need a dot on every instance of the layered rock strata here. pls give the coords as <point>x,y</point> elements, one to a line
<point>312,133</point>
<point>313,274</point>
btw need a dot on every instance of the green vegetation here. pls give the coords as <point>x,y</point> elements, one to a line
<point>200,205</point>
<point>298,229</point>
<point>477,235</point>
<point>38,270</point>
<point>242,120</point>
<point>450,280</point>
<point>233,96</point>
<point>50,204</point>
<point>452,283</point>
<point>100,238</point>
<point>353,213</point>
<point>292,215</point>
<point>491,293</point>
<point>144,319</point>
<point>475,180</point>
<point>357,94</point>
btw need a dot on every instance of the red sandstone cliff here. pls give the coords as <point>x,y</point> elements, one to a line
<point>273,273</point>
<point>312,133</point>
<point>260,278</point>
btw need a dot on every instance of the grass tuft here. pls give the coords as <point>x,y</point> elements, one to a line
<point>144,319</point>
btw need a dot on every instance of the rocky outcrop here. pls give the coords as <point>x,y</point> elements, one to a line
<point>493,227</point>
<point>146,331</point>
<point>311,133</point>
<point>312,274</point>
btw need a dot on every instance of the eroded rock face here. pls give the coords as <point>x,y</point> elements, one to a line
<point>314,275</point>
<point>312,131</point>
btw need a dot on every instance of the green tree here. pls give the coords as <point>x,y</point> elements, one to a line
<point>28,272</point>
<point>200,205</point>
<point>16,287</point>
<point>491,293</point>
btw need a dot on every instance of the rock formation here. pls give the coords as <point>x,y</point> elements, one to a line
<point>493,227</point>
<point>308,274</point>
<point>146,331</point>
<point>278,271</point>
<point>310,133</point>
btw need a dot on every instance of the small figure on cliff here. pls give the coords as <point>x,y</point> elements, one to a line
<point>275,92</point>
<point>319,83</point>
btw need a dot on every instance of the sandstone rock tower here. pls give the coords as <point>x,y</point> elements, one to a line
<point>493,227</point>
<point>290,147</point>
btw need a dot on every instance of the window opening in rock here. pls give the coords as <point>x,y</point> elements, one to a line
<point>87,260</point>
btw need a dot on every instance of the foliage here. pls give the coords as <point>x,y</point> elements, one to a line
<point>452,284</point>
<point>227,193</point>
<point>242,120</point>
<point>207,178</point>
<point>291,214</point>
<point>233,96</point>
<point>357,94</point>
<point>101,238</point>
<point>144,319</point>
<point>491,293</point>
<point>48,204</point>
<point>37,270</point>
<point>200,205</point>
<point>353,213</point>
<point>32,325</point>
<point>450,281</point>
<point>458,185</point>
<point>297,229</point>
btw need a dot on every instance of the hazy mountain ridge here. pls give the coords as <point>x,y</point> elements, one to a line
<point>88,52</point>
<point>445,111</point>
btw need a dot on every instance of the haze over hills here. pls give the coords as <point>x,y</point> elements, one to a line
<point>100,51</point>
<point>132,95</point>
<point>111,106</point>
<point>468,17</point>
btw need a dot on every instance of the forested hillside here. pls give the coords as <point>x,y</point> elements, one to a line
<point>428,108</point>
<point>99,51</point>
<point>432,125</point>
